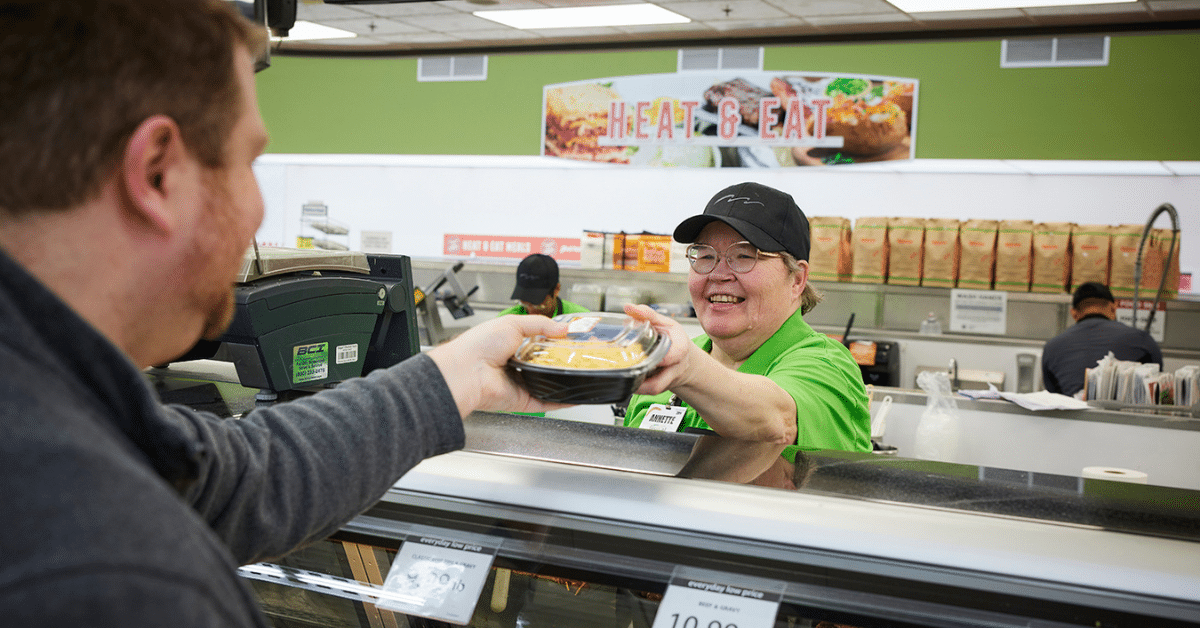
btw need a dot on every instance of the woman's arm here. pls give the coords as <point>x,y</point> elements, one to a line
<point>736,405</point>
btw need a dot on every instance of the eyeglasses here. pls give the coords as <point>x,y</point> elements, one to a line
<point>740,257</point>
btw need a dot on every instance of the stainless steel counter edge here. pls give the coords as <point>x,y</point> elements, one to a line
<point>910,538</point>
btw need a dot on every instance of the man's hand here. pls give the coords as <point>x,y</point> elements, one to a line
<point>474,364</point>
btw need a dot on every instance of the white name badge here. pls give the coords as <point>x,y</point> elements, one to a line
<point>438,578</point>
<point>663,418</point>
<point>702,599</point>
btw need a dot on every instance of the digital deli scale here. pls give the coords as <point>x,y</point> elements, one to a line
<point>306,319</point>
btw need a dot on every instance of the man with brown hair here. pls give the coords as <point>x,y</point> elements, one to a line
<point>128,130</point>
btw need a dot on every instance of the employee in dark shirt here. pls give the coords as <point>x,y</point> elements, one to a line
<point>1095,333</point>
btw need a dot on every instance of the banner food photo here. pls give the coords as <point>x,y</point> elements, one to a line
<point>722,119</point>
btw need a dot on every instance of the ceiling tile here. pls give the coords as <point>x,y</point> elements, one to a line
<point>317,11</point>
<point>406,9</point>
<point>497,34</point>
<point>350,42</point>
<point>1174,5</point>
<point>1095,9</point>
<point>450,22</point>
<point>374,26</point>
<point>425,37</point>
<point>713,12</point>
<point>466,6</point>
<point>576,32</point>
<point>664,28</point>
<point>997,14</point>
<point>733,25</point>
<point>861,18</point>
<point>809,8</point>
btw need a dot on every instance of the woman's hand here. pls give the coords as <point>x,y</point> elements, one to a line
<point>474,364</point>
<point>674,365</point>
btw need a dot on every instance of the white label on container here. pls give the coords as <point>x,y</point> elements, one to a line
<point>582,324</point>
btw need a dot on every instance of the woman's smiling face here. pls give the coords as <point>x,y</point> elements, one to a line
<point>740,311</point>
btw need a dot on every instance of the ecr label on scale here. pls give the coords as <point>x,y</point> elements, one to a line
<point>443,577</point>
<point>705,599</point>
<point>310,362</point>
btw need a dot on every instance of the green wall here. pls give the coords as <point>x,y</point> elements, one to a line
<point>1142,106</point>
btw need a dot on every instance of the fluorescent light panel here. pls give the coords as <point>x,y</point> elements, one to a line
<point>574,17</point>
<point>308,30</point>
<point>939,6</point>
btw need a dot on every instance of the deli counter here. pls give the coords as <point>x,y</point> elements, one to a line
<point>601,526</point>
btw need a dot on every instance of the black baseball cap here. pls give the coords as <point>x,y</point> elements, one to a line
<point>537,276</point>
<point>768,218</point>
<point>1091,290</point>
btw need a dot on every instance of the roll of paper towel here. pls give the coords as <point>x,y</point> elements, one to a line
<point>1115,474</point>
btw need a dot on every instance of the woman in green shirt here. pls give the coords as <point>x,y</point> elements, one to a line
<point>759,373</point>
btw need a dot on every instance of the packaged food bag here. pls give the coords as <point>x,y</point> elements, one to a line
<point>1123,257</point>
<point>831,254</point>
<point>1090,245</point>
<point>941,253</point>
<point>592,250</point>
<point>978,266</point>
<point>1014,255</point>
<point>906,250</point>
<point>654,253</point>
<point>1051,257</point>
<point>1160,243</point>
<point>870,239</point>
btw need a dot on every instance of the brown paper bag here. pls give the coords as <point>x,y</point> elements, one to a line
<point>978,266</point>
<point>1090,246</point>
<point>1051,257</point>
<point>870,239</point>
<point>941,253</point>
<point>1014,255</point>
<point>906,249</point>
<point>831,254</point>
<point>1158,245</point>
<point>1123,262</point>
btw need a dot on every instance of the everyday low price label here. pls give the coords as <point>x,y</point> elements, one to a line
<point>713,600</point>
<point>442,577</point>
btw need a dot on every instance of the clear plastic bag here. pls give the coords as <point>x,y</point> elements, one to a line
<point>937,430</point>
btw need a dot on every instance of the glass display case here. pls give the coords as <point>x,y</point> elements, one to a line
<point>591,525</point>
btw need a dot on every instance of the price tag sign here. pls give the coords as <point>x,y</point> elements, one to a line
<point>979,311</point>
<point>705,599</point>
<point>439,578</point>
<point>1157,326</point>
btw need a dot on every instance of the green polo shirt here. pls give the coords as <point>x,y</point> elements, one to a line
<point>816,370</point>
<point>564,307</point>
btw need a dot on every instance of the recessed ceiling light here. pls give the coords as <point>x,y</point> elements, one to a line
<point>309,30</point>
<point>569,17</point>
<point>932,6</point>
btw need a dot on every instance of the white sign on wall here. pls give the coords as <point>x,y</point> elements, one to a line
<point>979,311</point>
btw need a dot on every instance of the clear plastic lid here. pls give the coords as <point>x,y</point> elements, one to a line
<point>594,341</point>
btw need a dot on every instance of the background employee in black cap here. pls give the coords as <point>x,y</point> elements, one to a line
<point>538,287</point>
<point>1067,356</point>
<point>759,373</point>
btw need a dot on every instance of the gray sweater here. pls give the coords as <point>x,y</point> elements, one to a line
<point>116,510</point>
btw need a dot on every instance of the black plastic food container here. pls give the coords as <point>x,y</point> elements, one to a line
<point>575,369</point>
